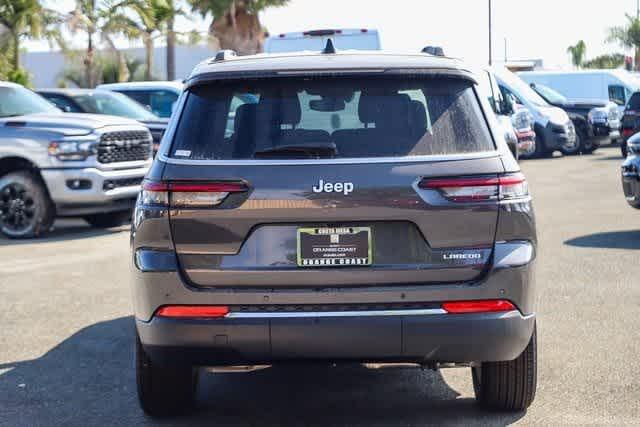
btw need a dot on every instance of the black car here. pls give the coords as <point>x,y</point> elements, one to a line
<point>630,121</point>
<point>106,102</point>
<point>596,122</point>
<point>630,170</point>
<point>344,215</point>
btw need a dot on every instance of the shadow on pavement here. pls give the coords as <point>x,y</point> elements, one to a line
<point>88,379</point>
<point>64,230</point>
<point>608,240</point>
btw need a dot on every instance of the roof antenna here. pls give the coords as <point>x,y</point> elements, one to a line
<point>329,48</point>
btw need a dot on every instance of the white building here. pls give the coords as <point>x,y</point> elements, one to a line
<point>46,68</point>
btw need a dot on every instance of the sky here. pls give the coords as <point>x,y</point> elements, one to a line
<point>533,29</point>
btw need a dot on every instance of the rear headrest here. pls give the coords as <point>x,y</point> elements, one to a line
<point>245,117</point>
<point>383,109</point>
<point>369,106</point>
<point>284,110</point>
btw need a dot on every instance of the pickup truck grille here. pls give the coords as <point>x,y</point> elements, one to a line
<point>124,146</point>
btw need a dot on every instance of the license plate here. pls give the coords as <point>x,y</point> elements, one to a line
<point>334,246</point>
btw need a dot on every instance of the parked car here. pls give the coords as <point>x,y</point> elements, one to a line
<point>106,102</point>
<point>355,216</point>
<point>596,122</point>
<point>631,172</point>
<point>158,96</point>
<point>604,85</point>
<point>315,40</point>
<point>554,130</point>
<point>60,165</point>
<point>502,107</point>
<point>523,124</point>
<point>630,121</point>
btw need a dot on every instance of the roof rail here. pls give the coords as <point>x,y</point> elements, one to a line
<point>433,50</point>
<point>329,48</point>
<point>224,54</point>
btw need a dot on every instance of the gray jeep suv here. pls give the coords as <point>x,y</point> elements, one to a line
<point>333,207</point>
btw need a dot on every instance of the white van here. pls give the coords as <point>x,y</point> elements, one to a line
<point>613,85</point>
<point>343,39</point>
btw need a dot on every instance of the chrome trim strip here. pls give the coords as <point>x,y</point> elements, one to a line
<point>345,161</point>
<point>312,314</point>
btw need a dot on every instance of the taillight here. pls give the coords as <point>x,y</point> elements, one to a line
<point>479,189</point>
<point>482,306</point>
<point>179,194</point>
<point>627,132</point>
<point>193,311</point>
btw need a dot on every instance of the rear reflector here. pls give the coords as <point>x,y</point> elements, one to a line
<point>181,194</point>
<point>193,311</point>
<point>479,189</point>
<point>486,306</point>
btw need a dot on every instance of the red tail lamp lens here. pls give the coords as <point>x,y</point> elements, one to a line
<point>486,306</point>
<point>193,311</point>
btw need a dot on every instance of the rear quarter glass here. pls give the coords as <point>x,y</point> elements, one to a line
<point>346,117</point>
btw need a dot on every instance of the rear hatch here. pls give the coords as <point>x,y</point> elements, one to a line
<point>631,118</point>
<point>333,181</point>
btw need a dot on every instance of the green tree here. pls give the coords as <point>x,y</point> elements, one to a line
<point>235,23</point>
<point>614,60</point>
<point>578,53</point>
<point>22,19</point>
<point>627,36</point>
<point>150,23</point>
<point>103,18</point>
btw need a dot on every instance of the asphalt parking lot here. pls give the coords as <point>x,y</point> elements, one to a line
<point>66,331</point>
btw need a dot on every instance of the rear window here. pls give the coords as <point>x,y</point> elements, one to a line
<point>330,117</point>
<point>634,102</point>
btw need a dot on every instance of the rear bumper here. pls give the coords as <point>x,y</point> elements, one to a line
<point>393,338</point>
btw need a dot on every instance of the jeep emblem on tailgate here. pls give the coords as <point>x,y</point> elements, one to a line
<point>330,187</point>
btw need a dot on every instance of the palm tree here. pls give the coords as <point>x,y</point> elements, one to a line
<point>236,24</point>
<point>170,34</point>
<point>106,19</point>
<point>21,19</point>
<point>628,36</point>
<point>578,53</point>
<point>152,15</point>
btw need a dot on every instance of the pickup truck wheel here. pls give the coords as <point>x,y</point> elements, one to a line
<point>25,208</point>
<point>571,148</point>
<point>108,220</point>
<point>508,386</point>
<point>163,391</point>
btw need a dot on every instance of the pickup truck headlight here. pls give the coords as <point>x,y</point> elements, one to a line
<point>72,150</point>
<point>598,115</point>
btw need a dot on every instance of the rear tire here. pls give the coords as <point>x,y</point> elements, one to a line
<point>25,208</point>
<point>508,386</point>
<point>108,220</point>
<point>623,148</point>
<point>163,391</point>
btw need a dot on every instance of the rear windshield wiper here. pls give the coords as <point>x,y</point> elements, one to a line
<point>308,150</point>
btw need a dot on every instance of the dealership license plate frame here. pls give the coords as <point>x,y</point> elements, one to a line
<point>325,233</point>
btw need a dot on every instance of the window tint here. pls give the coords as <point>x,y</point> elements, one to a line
<point>616,94</point>
<point>137,95</point>
<point>354,117</point>
<point>63,103</point>
<point>634,102</point>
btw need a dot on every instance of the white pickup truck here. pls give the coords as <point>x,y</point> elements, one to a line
<point>55,164</point>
